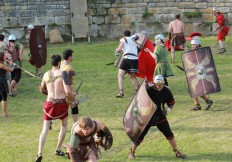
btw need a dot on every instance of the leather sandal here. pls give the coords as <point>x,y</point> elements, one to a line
<point>120,95</point>
<point>59,153</point>
<point>39,158</point>
<point>131,154</point>
<point>180,155</point>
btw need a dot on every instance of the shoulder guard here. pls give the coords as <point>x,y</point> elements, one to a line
<point>65,77</point>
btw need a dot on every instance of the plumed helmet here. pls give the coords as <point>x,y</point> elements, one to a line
<point>30,26</point>
<point>159,37</point>
<point>158,79</point>
<point>12,37</point>
<point>215,9</point>
<point>195,40</point>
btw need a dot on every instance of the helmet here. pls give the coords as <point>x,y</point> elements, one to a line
<point>12,37</point>
<point>215,9</point>
<point>196,41</point>
<point>158,79</point>
<point>160,37</point>
<point>30,26</point>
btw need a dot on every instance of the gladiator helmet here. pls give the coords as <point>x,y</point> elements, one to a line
<point>30,27</point>
<point>159,82</point>
<point>158,39</point>
<point>12,37</point>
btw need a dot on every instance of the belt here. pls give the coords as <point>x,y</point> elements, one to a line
<point>56,101</point>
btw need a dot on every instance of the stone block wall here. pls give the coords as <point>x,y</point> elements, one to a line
<point>109,18</point>
<point>15,15</point>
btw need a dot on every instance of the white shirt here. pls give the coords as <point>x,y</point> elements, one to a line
<point>129,47</point>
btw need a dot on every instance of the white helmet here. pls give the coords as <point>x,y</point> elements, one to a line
<point>195,40</point>
<point>12,37</point>
<point>158,79</point>
<point>159,37</point>
<point>30,26</point>
<point>215,9</point>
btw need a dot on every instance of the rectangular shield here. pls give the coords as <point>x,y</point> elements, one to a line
<point>38,46</point>
<point>200,72</point>
<point>142,37</point>
<point>138,113</point>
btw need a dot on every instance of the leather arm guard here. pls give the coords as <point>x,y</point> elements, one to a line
<point>69,99</point>
<point>43,89</point>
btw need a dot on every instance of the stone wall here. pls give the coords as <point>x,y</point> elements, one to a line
<point>15,15</point>
<point>109,18</point>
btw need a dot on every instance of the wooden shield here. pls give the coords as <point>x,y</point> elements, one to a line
<point>142,37</point>
<point>138,113</point>
<point>38,47</point>
<point>200,72</point>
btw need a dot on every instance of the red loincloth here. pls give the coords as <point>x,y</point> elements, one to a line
<point>146,63</point>
<point>56,111</point>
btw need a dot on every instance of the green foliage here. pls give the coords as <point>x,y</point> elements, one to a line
<point>192,14</point>
<point>146,14</point>
<point>202,135</point>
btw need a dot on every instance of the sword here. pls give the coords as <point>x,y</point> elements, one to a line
<point>78,88</point>
<point>179,67</point>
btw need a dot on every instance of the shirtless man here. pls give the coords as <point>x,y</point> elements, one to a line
<point>176,34</point>
<point>86,136</point>
<point>55,106</point>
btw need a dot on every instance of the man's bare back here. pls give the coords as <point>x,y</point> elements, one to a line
<point>54,83</point>
<point>176,26</point>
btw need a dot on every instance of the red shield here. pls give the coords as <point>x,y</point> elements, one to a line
<point>38,47</point>
<point>200,72</point>
<point>138,113</point>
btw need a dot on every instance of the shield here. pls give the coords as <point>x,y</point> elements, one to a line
<point>141,39</point>
<point>38,47</point>
<point>138,113</point>
<point>200,72</point>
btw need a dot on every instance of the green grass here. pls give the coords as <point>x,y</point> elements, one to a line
<point>202,135</point>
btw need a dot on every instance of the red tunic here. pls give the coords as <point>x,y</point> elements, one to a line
<point>55,111</point>
<point>146,63</point>
<point>224,29</point>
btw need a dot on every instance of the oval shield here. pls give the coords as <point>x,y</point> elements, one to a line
<point>38,47</point>
<point>200,72</point>
<point>138,113</point>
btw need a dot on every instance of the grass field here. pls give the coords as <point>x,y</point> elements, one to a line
<point>202,135</point>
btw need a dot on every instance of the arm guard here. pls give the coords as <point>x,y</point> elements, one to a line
<point>65,77</point>
<point>69,99</point>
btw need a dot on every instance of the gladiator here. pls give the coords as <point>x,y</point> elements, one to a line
<point>55,106</point>
<point>16,51</point>
<point>176,34</point>
<point>86,136</point>
<point>222,26</point>
<point>161,96</point>
<point>68,73</point>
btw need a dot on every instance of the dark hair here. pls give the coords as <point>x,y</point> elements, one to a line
<point>177,16</point>
<point>67,53</point>
<point>55,59</point>
<point>2,56</point>
<point>2,37</point>
<point>127,33</point>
